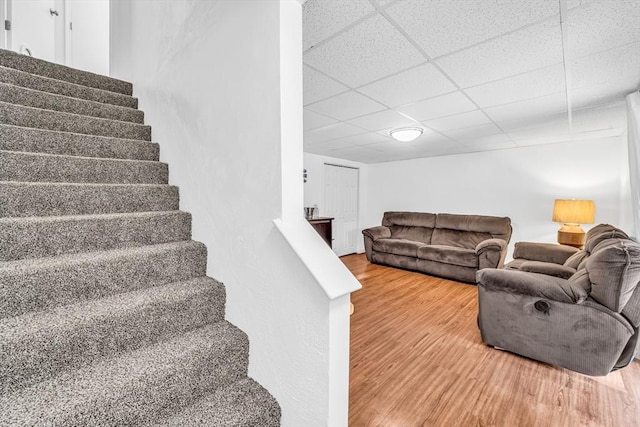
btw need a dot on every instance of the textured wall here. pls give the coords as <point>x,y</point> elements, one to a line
<point>208,78</point>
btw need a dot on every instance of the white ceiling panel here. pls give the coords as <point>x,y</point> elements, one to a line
<point>458,121</point>
<point>366,75</point>
<point>369,51</point>
<point>441,27</point>
<point>529,110</point>
<point>317,86</point>
<point>441,106</point>
<point>622,62</point>
<point>382,120</point>
<point>471,135</point>
<point>365,139</point>
<point>603,25</point>
<point>320,20</point>
<point>422,82</point>
<point>532,84</point>
<point>346,106</point>
<point>524,50</point>
<point>334,131</point>
<point>314,120</point>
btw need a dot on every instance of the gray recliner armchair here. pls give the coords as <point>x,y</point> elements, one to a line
<point>587,322</point>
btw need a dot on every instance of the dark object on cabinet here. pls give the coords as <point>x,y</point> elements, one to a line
<point>323,227</point>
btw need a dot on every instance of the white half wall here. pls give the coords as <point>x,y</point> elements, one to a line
<point>520,183</point>
<point>314,187</point>
<point>209,77</point>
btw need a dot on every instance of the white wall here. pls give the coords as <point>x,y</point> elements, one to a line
<point>314,187</point>
<point>208,75</point>
<point>521,183</point>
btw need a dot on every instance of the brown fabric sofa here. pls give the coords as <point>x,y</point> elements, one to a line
<point>588,322</point>
<point>446,245</point>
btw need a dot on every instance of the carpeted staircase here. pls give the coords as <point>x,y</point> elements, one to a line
<point>106,314</point>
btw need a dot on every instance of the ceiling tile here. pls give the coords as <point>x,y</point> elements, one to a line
<point>458,121</point>
<point>533,84</point>
<point>320,18</point>
<point>524,50</point>
<point>529,110</point>
<point>326,146</point>
<point>365,139</point>
<point>334,131</point>
<point>603,25</point>
<point>369,51</point>
<point>441,27</point>
<point>424,81</point>
<point>606,66</point>
<point>346,106</point>
<point>605,93</point>
<point>382,120</point>
<point>471,135</point>
<point>314,120</point>
<point>440,106</point>
<point>317,86</point>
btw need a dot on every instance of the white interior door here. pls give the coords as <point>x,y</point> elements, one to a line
<point>33,24</point>
<point>341,203</point>
<point>88,35</point>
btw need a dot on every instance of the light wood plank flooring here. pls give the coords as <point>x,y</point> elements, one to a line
<point>417,359</point>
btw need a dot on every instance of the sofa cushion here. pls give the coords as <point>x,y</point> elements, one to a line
<point>498,227</point>
<point>600,233</point>
<point>397,247</point>
<point>614,272</point>
<point>411,219</point>
<point>457,238</point>
<point>576,259</point>
<point>417,234</point>
<point>449,255</point>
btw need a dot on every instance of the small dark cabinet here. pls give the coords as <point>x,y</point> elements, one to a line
<point>323,227</point>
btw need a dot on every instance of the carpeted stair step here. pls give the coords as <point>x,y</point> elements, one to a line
<point>45,283</point>
<point>37,345</point>
<point>32,140</point>
<point>36,237</point>
<point>36,167</point>
<point>49,101</point>
<point>23,199</point>
<point>60,72</point>
<point>60,87</point>
<point>243,403</point>
<point>18,115</point>
<point>139,387</point>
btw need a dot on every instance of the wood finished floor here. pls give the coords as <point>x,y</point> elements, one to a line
<point>417,359</point>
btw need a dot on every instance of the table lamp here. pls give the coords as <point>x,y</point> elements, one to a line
<point>571,213</point>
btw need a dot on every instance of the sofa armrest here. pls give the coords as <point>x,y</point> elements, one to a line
<point>548,268</point>
<point>371,234</point>
<point>544,252</point>
<point>532,284</point>
<point>491,245</point>
<point>491,253</point>
<point>379,232</point>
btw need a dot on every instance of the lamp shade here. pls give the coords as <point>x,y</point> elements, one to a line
<point>571,211</point>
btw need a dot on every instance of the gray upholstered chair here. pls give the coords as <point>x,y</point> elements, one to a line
<point>588,322</point>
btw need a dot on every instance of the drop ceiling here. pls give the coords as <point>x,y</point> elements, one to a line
<point>477,75</point>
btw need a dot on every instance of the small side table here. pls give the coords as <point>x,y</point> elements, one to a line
<point>324,228</point>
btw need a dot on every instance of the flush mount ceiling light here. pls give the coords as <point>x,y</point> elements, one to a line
<point>406,134</point>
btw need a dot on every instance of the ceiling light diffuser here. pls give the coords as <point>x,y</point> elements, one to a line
<point>406,134</point>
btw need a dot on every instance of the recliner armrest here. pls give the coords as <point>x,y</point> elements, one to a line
<point>544,252</point>
<point>548,268</point>
<point>378,232</point>
<point>532,284</point>
<point>491,245</point>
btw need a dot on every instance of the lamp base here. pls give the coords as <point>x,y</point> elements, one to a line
<point>571,235</point>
